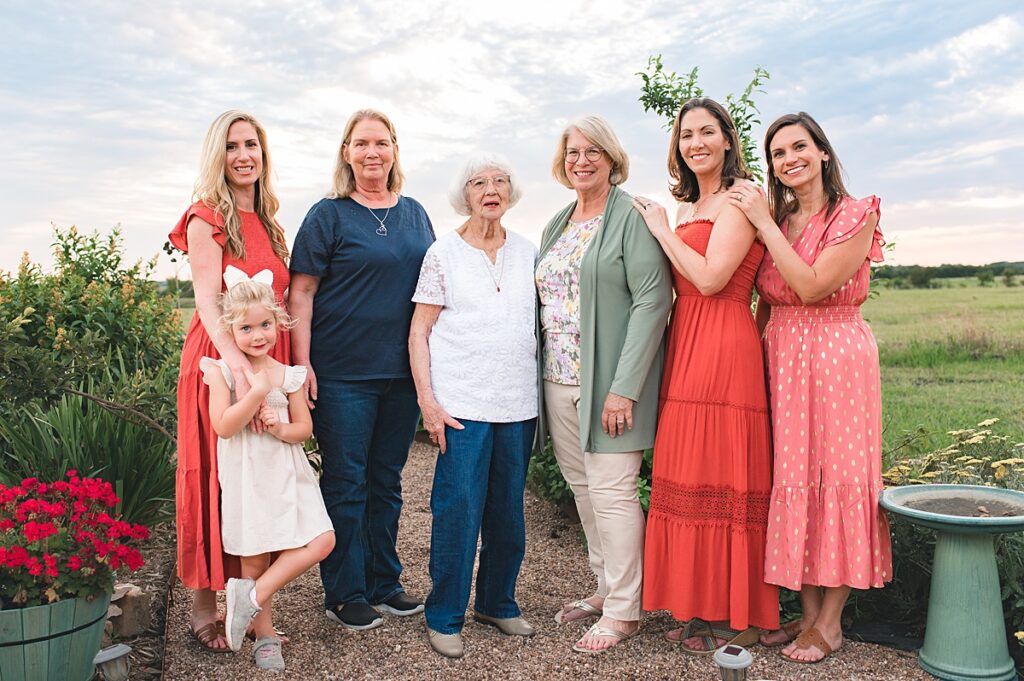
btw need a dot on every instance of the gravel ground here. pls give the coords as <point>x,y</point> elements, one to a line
<point>555,570</point>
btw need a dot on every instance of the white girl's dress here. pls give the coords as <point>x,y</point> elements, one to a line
<point>269,495</point>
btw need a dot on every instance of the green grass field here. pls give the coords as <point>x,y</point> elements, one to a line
<point>951,357</point>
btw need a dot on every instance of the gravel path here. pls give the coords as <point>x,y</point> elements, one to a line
<point>555,570</point>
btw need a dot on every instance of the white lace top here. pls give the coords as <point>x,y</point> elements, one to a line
<point>483,348</point>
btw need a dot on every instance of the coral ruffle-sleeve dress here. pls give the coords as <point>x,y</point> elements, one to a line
<point>824,525</point>
<point>711,480</point>
<point>202,563</point>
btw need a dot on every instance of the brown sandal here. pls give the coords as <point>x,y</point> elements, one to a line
<point>811,638</point>
<point>792,631</point>
<point>208,633</point>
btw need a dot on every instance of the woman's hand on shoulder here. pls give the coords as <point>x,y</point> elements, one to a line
<point>654,215</point>
<point>435,418</point>
<point>748,198</point>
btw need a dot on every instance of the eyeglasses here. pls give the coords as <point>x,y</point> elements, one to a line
<point>501,183</point>
<point>592,154</point>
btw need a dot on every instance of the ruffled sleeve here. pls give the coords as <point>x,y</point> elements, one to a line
<point>208,365</point>
<point>430,288</point>
<point>294,377</point>
<point>850,219</point>
<point>179,235</point>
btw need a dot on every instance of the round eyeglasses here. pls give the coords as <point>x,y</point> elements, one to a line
<point>592,154</point>
<point>501,183</point>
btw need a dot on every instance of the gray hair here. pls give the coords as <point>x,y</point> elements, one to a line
<point>476,164</point>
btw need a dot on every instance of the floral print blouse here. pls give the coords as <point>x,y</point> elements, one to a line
<point>558,284</point>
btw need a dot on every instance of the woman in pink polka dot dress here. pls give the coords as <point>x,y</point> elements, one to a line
<point>826,532</point>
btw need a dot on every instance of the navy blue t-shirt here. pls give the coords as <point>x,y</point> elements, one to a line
<point>363,307</point>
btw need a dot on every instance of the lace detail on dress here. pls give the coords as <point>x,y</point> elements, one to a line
<point>430,288</point>
<point>710,505</point>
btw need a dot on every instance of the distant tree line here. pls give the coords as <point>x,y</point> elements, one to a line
<point>917,276</point>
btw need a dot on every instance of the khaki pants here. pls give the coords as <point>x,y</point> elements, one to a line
<point>605,489</point>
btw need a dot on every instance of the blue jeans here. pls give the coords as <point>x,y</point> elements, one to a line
<point>478,492</point>
<point>364,429</point>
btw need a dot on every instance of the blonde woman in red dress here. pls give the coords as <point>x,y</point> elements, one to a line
<point>711,482</point>
<point>232,222</point>
<point>826,533</point>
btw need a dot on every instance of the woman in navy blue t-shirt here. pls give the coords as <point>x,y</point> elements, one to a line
<point>354,268</point>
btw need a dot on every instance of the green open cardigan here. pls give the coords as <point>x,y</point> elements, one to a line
<point>625,299</point>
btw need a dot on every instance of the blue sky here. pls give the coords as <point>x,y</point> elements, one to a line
<point>104,105</point>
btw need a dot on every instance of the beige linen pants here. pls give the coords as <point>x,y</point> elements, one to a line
<point>605,489</point>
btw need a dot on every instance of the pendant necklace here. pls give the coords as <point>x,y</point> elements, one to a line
<point>381,229</point>
<point>488,265</point>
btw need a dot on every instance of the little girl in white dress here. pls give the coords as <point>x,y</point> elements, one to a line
<point>270,498</point>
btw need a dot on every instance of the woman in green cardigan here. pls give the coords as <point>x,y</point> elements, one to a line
<point>605,293</point>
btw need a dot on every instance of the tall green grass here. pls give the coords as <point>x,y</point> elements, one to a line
<point>951,357</point>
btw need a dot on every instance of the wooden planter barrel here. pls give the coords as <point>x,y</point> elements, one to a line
<point>54,642</point>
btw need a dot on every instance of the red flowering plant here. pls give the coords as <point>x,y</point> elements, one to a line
<point>62,540</point>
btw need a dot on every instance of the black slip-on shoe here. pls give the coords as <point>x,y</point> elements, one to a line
<point>357,616</point>
<point>401,605</point>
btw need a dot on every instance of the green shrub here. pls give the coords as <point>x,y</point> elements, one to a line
<point>91,307</point>
<point>89,355</point>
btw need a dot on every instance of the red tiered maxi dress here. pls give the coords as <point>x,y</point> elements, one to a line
<point>202,564</point>
<point>825,527</point>
<point>704,554</point>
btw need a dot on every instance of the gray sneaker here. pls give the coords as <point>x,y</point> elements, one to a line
<point>240,611</point>
<point>266,653</point>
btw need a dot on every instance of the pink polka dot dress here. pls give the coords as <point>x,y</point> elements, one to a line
<point>824,525</point>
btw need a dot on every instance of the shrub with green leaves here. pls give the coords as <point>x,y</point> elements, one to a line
<point>89,354</point>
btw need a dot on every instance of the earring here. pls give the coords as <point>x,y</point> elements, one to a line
<point>825,163</point>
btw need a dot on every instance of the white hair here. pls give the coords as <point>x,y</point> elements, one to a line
<point>475,164</point>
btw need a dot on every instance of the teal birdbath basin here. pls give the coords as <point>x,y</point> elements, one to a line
<point>965,638</point>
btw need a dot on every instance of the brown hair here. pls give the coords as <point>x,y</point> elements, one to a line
<point>781,199</point>
<point>684,182</point>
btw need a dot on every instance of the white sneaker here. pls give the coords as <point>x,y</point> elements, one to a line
<point>240,611</point>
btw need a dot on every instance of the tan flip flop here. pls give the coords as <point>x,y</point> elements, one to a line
<point>598,630</point>
<point>581,605</point>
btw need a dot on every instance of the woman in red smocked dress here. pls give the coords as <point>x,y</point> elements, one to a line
<point>826,532</point>
<point>704,553</point>
<point>231,223</point>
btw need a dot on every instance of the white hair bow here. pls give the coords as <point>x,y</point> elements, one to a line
<point>234,276</point>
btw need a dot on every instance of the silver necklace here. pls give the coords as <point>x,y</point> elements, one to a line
<point>381,230</point>
<point>488,265</point>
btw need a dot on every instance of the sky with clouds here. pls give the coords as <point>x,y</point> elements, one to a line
<point>104,104</point>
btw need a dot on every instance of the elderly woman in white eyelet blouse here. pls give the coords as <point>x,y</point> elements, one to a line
<point>473,352</point>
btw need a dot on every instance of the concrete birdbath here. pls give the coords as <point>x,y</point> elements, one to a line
<point>965,638</point>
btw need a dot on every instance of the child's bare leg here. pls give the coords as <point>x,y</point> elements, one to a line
<point>289,565</point>
<point>253,567</point>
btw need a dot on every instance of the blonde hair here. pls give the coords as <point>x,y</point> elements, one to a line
<point>344,180</point>
<point>212,186</point>
<point>236,301</point>
<point>599,132</point>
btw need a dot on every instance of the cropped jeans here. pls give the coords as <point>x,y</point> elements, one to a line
<point>478,493</point>
<point>364,429</point>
